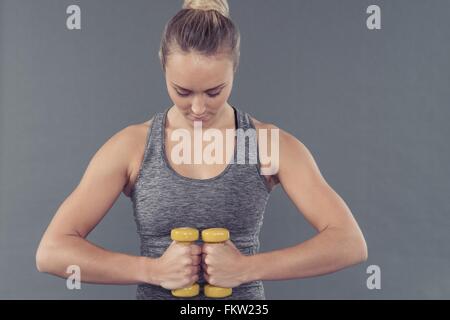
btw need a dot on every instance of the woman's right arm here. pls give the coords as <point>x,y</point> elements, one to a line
<point>64,244</point>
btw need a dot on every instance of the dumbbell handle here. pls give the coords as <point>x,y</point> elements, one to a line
<point>185,236</point>
<point>216,235</point>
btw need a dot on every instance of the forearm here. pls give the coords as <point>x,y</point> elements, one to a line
<point>329,251</point>
<point>96,264</point>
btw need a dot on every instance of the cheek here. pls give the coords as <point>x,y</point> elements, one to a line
<point>220,99</point>
<point>217,102</point>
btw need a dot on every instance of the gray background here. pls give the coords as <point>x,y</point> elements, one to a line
<point>372,107</point>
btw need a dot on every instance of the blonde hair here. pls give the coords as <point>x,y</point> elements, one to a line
<point>219,5</point>
<point>203,26</point>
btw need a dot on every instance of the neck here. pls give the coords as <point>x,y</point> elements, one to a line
<point>224,119</point>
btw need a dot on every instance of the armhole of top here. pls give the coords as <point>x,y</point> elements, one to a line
<point>258,164</point>
<point>144,158</point>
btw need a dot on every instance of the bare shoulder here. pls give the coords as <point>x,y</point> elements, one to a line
<point>288,145</point>
<point>136,135</point>
<point>285,138</point>
<point>266,128</point>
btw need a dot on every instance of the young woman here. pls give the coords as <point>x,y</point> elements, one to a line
<point>199,56</point>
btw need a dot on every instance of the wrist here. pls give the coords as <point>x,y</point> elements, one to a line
<point>250,269</point>
<point>148,270</point>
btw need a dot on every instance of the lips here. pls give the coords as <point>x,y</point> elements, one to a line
<point>199,119</point>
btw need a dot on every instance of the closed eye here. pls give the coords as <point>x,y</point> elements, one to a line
<point>188,94</point>
<point>214,95</point>
<point>182,94</point>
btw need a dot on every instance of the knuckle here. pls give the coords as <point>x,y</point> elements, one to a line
<point>209,250</point>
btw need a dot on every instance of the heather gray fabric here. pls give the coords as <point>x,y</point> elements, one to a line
<point>163,199</point>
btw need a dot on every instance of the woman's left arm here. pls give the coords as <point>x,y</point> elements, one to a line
<point>339,242</point>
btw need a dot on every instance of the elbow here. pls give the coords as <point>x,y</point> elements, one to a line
<point>360,252</point>
<point>356,241</point>
<point>364,252</point>
<point>43,258</point>
<point>354,247</point>
<point>40,259</point>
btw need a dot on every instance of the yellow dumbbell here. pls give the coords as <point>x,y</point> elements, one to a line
<point>216,235</point>
<point>185,236</point>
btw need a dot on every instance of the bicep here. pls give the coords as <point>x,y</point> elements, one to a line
<point>100,186</point>
<point>304,184</point>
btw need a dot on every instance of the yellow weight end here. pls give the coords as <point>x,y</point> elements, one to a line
<point>187,292</point>
<point>217,292</point>
<point>184,234</point>
<point>215,235</point>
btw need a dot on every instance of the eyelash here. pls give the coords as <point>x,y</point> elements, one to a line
<point>187,94</point>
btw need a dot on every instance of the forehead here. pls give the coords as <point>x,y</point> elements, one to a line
<point>193,70</point>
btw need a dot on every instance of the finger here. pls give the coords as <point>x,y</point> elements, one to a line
<point>195,249</point>
<point>172,243</point>
<point>205,248</point>
<point>183,249</point>
<point>187,261</point>
<point>195,270</point>
<point>196,260</point>
<point>206,276</point>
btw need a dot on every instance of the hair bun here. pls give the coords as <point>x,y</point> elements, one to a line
<point>218,5</point>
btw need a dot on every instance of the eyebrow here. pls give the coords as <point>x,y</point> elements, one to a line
<point>219,86</point>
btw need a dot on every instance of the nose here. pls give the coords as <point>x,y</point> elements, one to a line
<point>198,106</point>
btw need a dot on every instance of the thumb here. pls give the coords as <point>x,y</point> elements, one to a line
<point>230,243</point>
